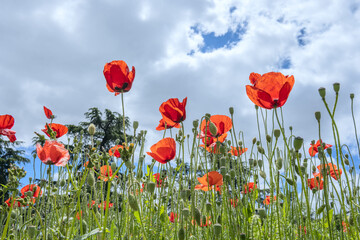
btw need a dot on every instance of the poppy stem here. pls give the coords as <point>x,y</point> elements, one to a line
<point>123,114</point>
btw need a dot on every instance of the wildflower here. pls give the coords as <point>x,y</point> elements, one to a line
<point>91,204</point>
<point>206,222</point>
<point>173,111</point>
<point>234,202</point>
<point>53,152</point>
<point>168,125</point>
<point>237,151</point>
<point>60,129</point>
<point>118,77</point>
<point>105,173</point>
<point>105,205</point>
<point>316,182</point>
<point>249,188</point>
<point>48,113</point>
<point>267,200</point>
<point>331,169</point>
<point>114,151</point>
<point>222,124</point>
<point>35,189</point>
<point>211,149</point>
<point>6,123</point>
<point>313,150</point>
<point>172,217</point>
<point>209,180</point>
<point>163,151</point>
<point>78,214</point>
<point>345,226</point>
<point>270,89</point>
<point>158,180</point>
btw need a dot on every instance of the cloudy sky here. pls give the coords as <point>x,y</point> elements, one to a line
<point>52,53</point>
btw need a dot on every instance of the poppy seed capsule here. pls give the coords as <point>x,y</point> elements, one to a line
<point>298,141</point>
<point>186,212</point>
<point>260,163</point>
<point>346,161</point>
<point>279,163</point>
<point>135,125</point>
<point>133,203</point>
<point>151,187</point>
<point>217,229</point>
<point>31,231</point>
<point>322,92</point>
<point>317,116</point>
<point>91,129</point>
<point>222,162</point>
<point>336,87</point>
<point>352,96</point>
<point>223,170</point>
<point>277,133</point>
<point>268,138</point>
<point>232,173</point>
<point>197,216</point>
<point>231,110</point>
<point>208,206</point>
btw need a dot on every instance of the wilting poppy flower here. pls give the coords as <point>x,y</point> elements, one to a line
<point>6,123</point>
<point>249,188</point>
<point>205,223</point>
<point>106,173</point>
<point>163,151</point>
<point>270,89</point>
<point>91,204</point>
<point>267,200</point>
<point>60,129</point>
<point>222,123</point>
<point>173,111</point>
<point>168,125</point>
<point>172,217</point>
<point>316,182</point>
<point>105,205</point>
<point>237,151</point>
<point>48,113</point>
<point>53,152</point>
<point>35,189</point>
<point>114,151</point>
<point>331,169</point>
<point>78,215</point>
<point>118,77</point>
<point>209,180</point>
<point>313,150</point>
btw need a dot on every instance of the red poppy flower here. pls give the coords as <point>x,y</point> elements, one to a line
<point>105,173</point>
<point>234,202</point>
<point>249,188</point>
<point>211,149</point>
<point>60,129</point>
<point>270,89</point>
<point>31,188</point>
<point>316,182</point>
<point>163,151</point>
<point>209,180</point>
<point>267,200</point>
<point>78,215</point>
<point>313,150</point>
<point>331,169</point>
<point>237,151</point>
<point>6,123</point>
<point>222,123</point>
<point>172,217</point>
<point>114,151</point>
<point>105,205</point>
<point>48,113</point>
<point>118,77</point>
<point>345,226</point>
<point>91,204</point>
<point>15,203</point>
<point>168,125</point>
<point>203,224</point>
<point>173,111</point>
<point>53,152</point>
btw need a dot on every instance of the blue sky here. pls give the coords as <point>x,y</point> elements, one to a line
<point>53,55</point>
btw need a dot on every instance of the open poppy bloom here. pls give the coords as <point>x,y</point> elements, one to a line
<point>173,111</point>
<point>91,204</point>
<point>114,151</point>
<point>118,77</point>
<point>53,152</point>
<point>211,149</point>
<point>249,188</point>
<point>172,217</point>
<point>35,189</point>
<point>270,89</point>
<point>209,180</point>
<point>163,151</point>
<point>222,123</point>
<point>331,169</point>
<point>168,125</point>
<point>267,200</point>
<point>6,123</point>
<point>106,173</point>
<point>60,129</point>
<point>313,150</point>
<point>105,205</point>
<point>316,182</point>
<point>237,151</point>
<point>48,113</point>
<point>15,203</point>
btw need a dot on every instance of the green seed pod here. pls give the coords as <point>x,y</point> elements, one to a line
<point>62,183</point>
<point>31,231</point>
<point>336,87</point>
<point>268,138</point>
<point>208,206</point>
<point>290,181</point>
<point>352,96</point>
<point>219,219</point>
<point>298,141</point>
<point>251,161</point>
<point>129,165</point>
<point>84,226</point>
<point>232,173</point>
<point>91,179</point>
<point>262,174</point>
<point>277,133</point>
<point>260,163</point>
<point>181,233</point>
<point>261,212</point>
<point>197,216</point>
<point>196,123</point>
<point>222,161</point>
<point>186,212</point>
<point>346,161</point>
<point>317,116</point>
<point>135,125</point>
<point>113,166</point>
<point>254,141</point>
<point>133,203</point>
<point>150,187</point>
<point>278,163</point>
<point>227,177</point>
<point>223,170</point>
<point>231,110</point>
<point>13,214</point>
<point>91,129</point>
<point>261,150</point>
<point>217,229</point>
<point>322,92</point>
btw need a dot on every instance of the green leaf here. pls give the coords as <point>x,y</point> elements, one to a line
<point>137,216</point>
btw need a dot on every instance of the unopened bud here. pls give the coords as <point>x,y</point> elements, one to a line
<point>151,187</point>
<point>262,174</point>
<point>277,133</point>
<point>298,141</point>
<point>186,212</point>
<point>222,161</point>
<point>352,95</point>
<point>232,173</point>
<point>91,129</point>
<point>260,163</point>
<point>207,116</point>
<point>254,141</point>
<point>181,233</point>
<point>133,203</point>
<point>208,206</point>
<point>289,181</point>
<point>336,87</point>
<point>329,151</point>
<point>223,170</point>
<point>317,116</point>
<point>346,161</point>
<point>322,92</point>
<point>268,138</point>
<point>217,229</point>
<point>197,216</point>
<point>135,125</point>
<point>113,166</point>
<point>278,163</point>
<point>213,128</point>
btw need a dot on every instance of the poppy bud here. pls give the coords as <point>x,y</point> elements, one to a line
<point>62,183</point>
<point>268,138</point>
<point>227,177</point>
<point>352,96</point>
<point>262,174</point>
<point>197,216</point>
<point>31,231</point>
<point>129,165</point>
<point>91,129</point>
<point>222,161</point>
<point>213,128</point>
<point>336,87</point>
<point>329,151</point>
<point>261,212</point>
<point>151,187</point>
<point>113,166</point>
<point>289,181</point>
<point>277,133</point>
<point>13,214</point>
<point>298,141</point>
<point>322,92</point>
<point>251,161</point>
<point>135,125</point>
<point>133,203</point>
<point>217,229</point>
<point>223,170</point>
<point>291,128</point>
<point>261,150</point>
<point>254,140</point>
<point>231,110</point>
<point>232,173</point>
<point>208,206</point>
<point>196,123</point>
<point>186,212</point>
<point>207,116</point>
<point>181,233</point>
<point>278,163</point>
<point>260,163</point>
<point>346,161</point>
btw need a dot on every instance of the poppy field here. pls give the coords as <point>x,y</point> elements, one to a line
<point>202,184</point>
